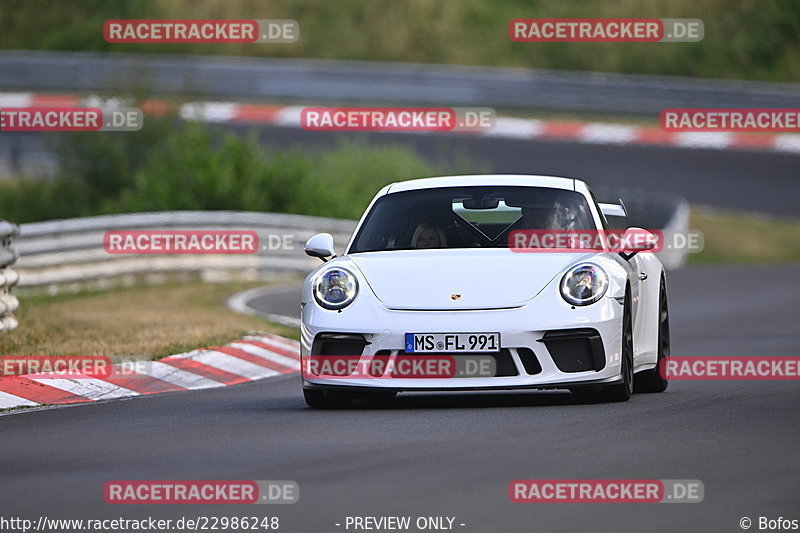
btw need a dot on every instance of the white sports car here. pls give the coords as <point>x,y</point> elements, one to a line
<point>434,292</point>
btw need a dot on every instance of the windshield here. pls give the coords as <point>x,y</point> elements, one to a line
<point>468,217</point>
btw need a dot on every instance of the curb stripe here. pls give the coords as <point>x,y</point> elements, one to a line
<point>256,113</point>
<point>238,362</point>
<point>561,130</point>
<point>268,352</point>
<point>91,388</point>
<point>600,133</point>
<point>506,127</point>
<point>10,400</point>
<point>190,365</point>
<point>141,383</point>
<point>654,136</point>
<point>713,139</point>
<point>288,343</point>
<point>292,352</point>
<point>15,99</point>
<point>255,359</point>
<point>519,128</point>
<point>752,141</point>
<point>233,365</point>
<point>173,375</point>
<point>54,100</point>
<point>38,392</point>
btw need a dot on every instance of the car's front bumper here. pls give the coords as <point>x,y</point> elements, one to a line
<point>521,329</point>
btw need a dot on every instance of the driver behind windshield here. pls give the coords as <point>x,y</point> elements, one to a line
<point>428,236</point>
<point>563,215</point>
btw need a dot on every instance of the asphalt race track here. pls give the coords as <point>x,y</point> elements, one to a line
<point>454,455</point>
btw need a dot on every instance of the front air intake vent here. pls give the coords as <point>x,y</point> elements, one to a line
<point>338,344</point>
<point>576,350</point>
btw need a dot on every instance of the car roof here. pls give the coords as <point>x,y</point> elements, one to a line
<point>519,180</point>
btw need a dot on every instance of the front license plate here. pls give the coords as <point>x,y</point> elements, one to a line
<point>452,342</point>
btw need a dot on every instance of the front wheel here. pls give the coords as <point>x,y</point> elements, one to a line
<point>656,380</point>
<point>623,391</point>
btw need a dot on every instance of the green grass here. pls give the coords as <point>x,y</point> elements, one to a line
<point>746,39</point>
<point>735,237</point>
<point>155,321</point>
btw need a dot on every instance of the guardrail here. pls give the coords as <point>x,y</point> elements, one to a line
<point>360,82</point>
<point>8,276</point>
<point>69,253</point>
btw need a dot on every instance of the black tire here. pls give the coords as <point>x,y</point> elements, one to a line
<point>656,380</point>
<point>622,392</point>
<point>319,399</point>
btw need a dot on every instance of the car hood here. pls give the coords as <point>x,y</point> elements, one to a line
<point>459,279</point>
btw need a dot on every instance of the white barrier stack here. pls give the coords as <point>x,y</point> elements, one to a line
<point>8,276</point>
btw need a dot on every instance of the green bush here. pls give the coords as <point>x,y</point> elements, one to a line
<point>344,180</point>
<point>194,170</point>
<point>102,164</point>
<point>191,166</point>
<point>31,200</point>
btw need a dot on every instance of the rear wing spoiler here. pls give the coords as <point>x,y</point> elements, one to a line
<point>614,210</point>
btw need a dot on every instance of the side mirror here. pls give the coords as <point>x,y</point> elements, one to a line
<point>637,240</point>
<point>320,245</point>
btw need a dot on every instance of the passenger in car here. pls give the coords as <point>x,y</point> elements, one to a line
<point>428,235</point>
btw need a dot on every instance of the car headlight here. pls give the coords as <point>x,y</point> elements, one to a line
<point>584,284</point>
<point>335,288</point>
